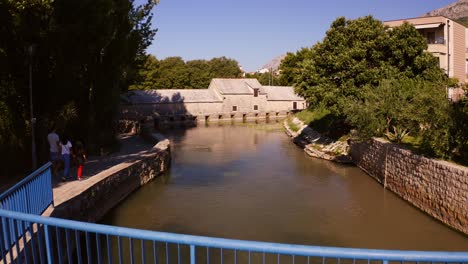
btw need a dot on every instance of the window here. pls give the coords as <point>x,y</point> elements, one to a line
<point>255,107</point>
<point>255,92</point>
<point>234,108</point>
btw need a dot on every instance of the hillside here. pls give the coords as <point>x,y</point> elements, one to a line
<point>274,63</point>
<point>457,11</point>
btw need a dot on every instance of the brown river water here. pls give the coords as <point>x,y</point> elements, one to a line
<point>251,182</point>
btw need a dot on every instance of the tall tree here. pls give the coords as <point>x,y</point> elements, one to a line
<point>175,73</point>
<point>356,53</point>
<point>83,55</point>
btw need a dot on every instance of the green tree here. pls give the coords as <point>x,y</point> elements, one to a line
<point>459,131</point>
<point>411,105</point>
<point>146,75</point>
<point>224,68</point>
<point>356,53</point>
<point>175,73</point>
<point>290,65</point>
<point>84,54</point>
<point>199,74</point>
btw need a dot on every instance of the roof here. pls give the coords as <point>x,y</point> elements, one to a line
<point>172,96</point>
<point>422,21</point>
<point>235,86</point>
<point>281,93</point>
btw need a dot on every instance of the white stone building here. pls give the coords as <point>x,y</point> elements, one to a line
<point>223,100</point>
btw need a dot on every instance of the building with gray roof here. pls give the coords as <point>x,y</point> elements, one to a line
<point>224,99</point>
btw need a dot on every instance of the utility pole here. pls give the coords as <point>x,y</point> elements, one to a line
<point>33,120</point>
<point>271,74</point>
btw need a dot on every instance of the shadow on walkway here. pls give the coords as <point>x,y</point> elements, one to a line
<point>131,147</point>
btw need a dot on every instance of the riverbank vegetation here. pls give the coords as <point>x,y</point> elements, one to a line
<point>81,54</point>
<point>375,81</point>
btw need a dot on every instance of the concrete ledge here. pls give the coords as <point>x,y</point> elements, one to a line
<point>91,199</point>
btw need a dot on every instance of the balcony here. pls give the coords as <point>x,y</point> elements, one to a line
<point>437,48</point>
<point>439,40</point>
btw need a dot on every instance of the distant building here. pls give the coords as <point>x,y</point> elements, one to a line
<point>224,99</point>
<point>446,39</point>
<point>242,70</point>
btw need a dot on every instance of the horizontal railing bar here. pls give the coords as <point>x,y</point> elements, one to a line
<point>25,180</point>
<point>254,246</point>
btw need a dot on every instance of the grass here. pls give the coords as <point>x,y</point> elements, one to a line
<point>292,125</point>
<point>323,121</point>
<point>309,116</point>
<point>412,142</point>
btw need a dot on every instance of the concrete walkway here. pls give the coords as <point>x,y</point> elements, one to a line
<point>98,167</point>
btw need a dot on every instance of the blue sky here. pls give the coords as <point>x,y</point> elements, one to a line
<point>253,32</point>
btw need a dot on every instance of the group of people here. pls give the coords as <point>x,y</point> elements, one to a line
<point>62,152</point>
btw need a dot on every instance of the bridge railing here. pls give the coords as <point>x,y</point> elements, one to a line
<point>32,195</point>
<point>64,241</point>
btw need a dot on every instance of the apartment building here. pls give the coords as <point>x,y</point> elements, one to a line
<point>446,39</point>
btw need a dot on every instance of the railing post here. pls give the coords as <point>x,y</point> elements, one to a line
<point>48,244</point>
<point>192,254</point>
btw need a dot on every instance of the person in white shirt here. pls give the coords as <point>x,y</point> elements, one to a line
<point>66,152</point>
<point>54,144</point>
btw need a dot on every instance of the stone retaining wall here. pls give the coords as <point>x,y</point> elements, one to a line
<point>438,188</point>
<point>93,203</point>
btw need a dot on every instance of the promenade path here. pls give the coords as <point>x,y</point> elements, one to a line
<point>98,168</point>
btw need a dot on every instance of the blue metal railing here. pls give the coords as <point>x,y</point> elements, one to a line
<point>59,241</point>
<point>32,195</point>
<point>27,237</point>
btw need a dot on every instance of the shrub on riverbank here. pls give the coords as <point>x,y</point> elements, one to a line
<point>325,122</point>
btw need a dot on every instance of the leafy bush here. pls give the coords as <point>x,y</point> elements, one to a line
<point>459,131</point>
<point>397,135</point>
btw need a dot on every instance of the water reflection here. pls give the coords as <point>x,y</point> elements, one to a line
<point>250,182</point>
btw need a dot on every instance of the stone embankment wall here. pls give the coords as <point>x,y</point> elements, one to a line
<point>121,180</point>
<point>438,188</point>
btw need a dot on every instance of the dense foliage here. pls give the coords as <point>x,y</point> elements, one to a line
<point>175,73</point>
<point>458,134</point>
<point>356,53</point>
<point>82,53</point>
<point>380,82</point>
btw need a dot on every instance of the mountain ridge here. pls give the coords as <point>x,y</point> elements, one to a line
<point>457,11</point>
<point>274,63</point>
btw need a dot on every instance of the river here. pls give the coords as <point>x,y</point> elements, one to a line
<point>250,182</point>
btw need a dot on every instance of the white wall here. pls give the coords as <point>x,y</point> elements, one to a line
<point>275,106</point>
<point>244,103</point>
